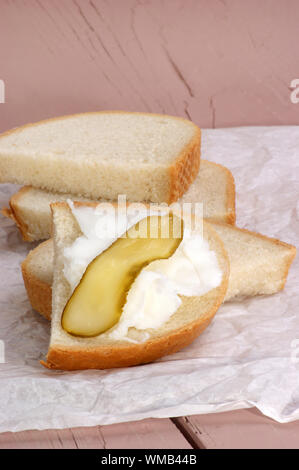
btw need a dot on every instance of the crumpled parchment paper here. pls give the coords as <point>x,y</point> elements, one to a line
<point>249,356</point>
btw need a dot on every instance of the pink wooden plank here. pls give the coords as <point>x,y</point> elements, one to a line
<point>82,438</point>
<point>146,434</point>
<point>219,63</point>
<point>241,429</point>
<point>153,433</point>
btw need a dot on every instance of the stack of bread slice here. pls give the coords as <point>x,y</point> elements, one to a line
<point>151,158</point>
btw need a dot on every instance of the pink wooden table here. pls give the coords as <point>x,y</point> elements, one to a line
<point>219,63</point>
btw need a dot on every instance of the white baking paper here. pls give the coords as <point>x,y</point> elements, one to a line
<point>249,356</point>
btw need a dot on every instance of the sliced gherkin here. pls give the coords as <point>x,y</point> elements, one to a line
<point>97,302</point>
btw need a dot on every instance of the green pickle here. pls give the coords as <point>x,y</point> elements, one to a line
<point>97,302</point>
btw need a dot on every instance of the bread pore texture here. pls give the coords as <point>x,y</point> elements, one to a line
<point>37,271</point>
<point>147,157</point>
<point>68,352</point>
<point>259,264</point>
<point>214,187</point>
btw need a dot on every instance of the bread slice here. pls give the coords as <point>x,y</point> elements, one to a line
<point>214,186</point>
<point>68,352</point>
<point>258,265</point>
<point>37,270</point>
<point>148,157</point>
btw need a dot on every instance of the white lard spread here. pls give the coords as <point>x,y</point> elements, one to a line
<point>154,296</point>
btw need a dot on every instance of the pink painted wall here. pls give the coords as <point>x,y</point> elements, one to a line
<point>218,62</point>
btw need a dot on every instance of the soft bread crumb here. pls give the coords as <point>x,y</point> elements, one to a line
<point>213,187</point>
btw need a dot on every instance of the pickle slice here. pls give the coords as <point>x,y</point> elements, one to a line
<point>97,302</point>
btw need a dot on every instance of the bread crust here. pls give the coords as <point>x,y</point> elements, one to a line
<point>39,292</point>
<point>231,197</point>
<point>106,357</point>
<point>12,212</point>
<point>185,169</point>
<point>181,173</point>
